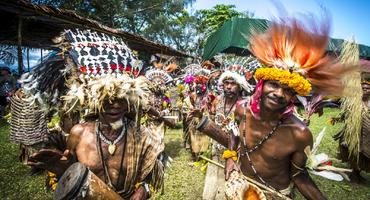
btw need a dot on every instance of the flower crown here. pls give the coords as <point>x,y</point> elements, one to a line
<point>292,79</point>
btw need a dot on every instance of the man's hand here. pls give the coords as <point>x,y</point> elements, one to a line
<point>230,166</point>
<point>196,113</point>
<point>139,194</point>
<point>52,160</point>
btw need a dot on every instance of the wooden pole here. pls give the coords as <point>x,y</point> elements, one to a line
<point>28,59</point>
<point>249,179</point>
<point>19,47</point>
<point>41,55</point>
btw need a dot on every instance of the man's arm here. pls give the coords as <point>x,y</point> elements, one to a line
<point>57,161</point>
<point>233,143</point>
<point>215,132</point>
<point>300,176</point>
<point>153,112</point>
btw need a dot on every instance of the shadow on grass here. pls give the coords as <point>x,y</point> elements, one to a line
<point>173,148</point>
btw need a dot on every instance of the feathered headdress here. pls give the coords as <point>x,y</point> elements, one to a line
<point>241,69</point>
<point>294,55</point>
<point>89,68</point>
<point>194,73</point>
<point>158,77</point>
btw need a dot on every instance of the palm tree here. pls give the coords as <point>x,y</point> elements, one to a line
<point>9,54</point>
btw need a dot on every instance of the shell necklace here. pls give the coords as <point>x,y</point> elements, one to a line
<point>112,144</point>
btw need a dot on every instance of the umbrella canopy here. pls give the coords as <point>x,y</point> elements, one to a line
<point>234,34</point>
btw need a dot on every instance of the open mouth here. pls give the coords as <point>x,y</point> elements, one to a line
<point>113,113</point>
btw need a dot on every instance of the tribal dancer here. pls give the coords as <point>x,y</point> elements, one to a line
<point>231,82</point>
<point>159,100</point>
<point>272,140</point>
<point>354,138</point>
<point>197,99</point>
<point>101,78</point>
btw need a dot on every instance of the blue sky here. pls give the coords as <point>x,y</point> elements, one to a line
<point>34,59</point>
<point>349,17</point>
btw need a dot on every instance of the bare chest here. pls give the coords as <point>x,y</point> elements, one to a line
<point>270,143</point>
<point>88,154</point>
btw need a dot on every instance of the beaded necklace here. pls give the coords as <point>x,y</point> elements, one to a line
<point>255,147</point>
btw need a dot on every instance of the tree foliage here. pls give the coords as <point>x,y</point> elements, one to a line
<point>164,21</point>
<point>8,54</point>
<point>210,20</point>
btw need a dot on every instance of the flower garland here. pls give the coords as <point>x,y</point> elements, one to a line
<point>293,80</point>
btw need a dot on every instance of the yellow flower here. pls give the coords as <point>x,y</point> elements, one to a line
<point>330,121</point>
<point>293,80</point>
<point>230,154</point>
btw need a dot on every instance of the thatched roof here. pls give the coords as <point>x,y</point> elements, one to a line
<point>41,23</point>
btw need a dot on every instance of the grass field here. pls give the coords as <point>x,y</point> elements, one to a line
<point>183,181</point>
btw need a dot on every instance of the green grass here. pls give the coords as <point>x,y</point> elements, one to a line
<point>332,189</point>
<point>15,181</point>
<point>182,180</point>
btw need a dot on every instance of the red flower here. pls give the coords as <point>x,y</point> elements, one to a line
<point>248,75</point>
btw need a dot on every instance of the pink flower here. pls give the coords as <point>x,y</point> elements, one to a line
<point>189,79</point>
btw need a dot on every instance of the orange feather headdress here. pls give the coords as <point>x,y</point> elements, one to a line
<point>295,54</point>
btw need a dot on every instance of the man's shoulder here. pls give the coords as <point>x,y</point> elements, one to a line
<point>241,105</point>
<point>80,128</point>
<point>300,130</point>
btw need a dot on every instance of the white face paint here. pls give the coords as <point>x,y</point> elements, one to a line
<point>117,124</point>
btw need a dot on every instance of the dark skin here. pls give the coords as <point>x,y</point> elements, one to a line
<point>82,147</point>
<point>273,159</point>
<point>231,94</point>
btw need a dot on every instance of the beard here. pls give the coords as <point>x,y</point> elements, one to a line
<point>230,94</point>
<point>117,124</point>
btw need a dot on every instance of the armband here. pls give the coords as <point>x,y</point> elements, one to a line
<point>298,170</point>
<point>230,154</point>
<point>149,189</point>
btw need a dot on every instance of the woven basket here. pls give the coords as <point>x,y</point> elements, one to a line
<point>28,123</point>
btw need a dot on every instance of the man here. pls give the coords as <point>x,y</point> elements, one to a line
<point>159,98</point>
<point>197,98</point>
<point>354,138</point>
<point>232,83</point>
<point>277,160</point>
<point>112,148</point>
<point>272,140</point>
<point>115,147</point>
